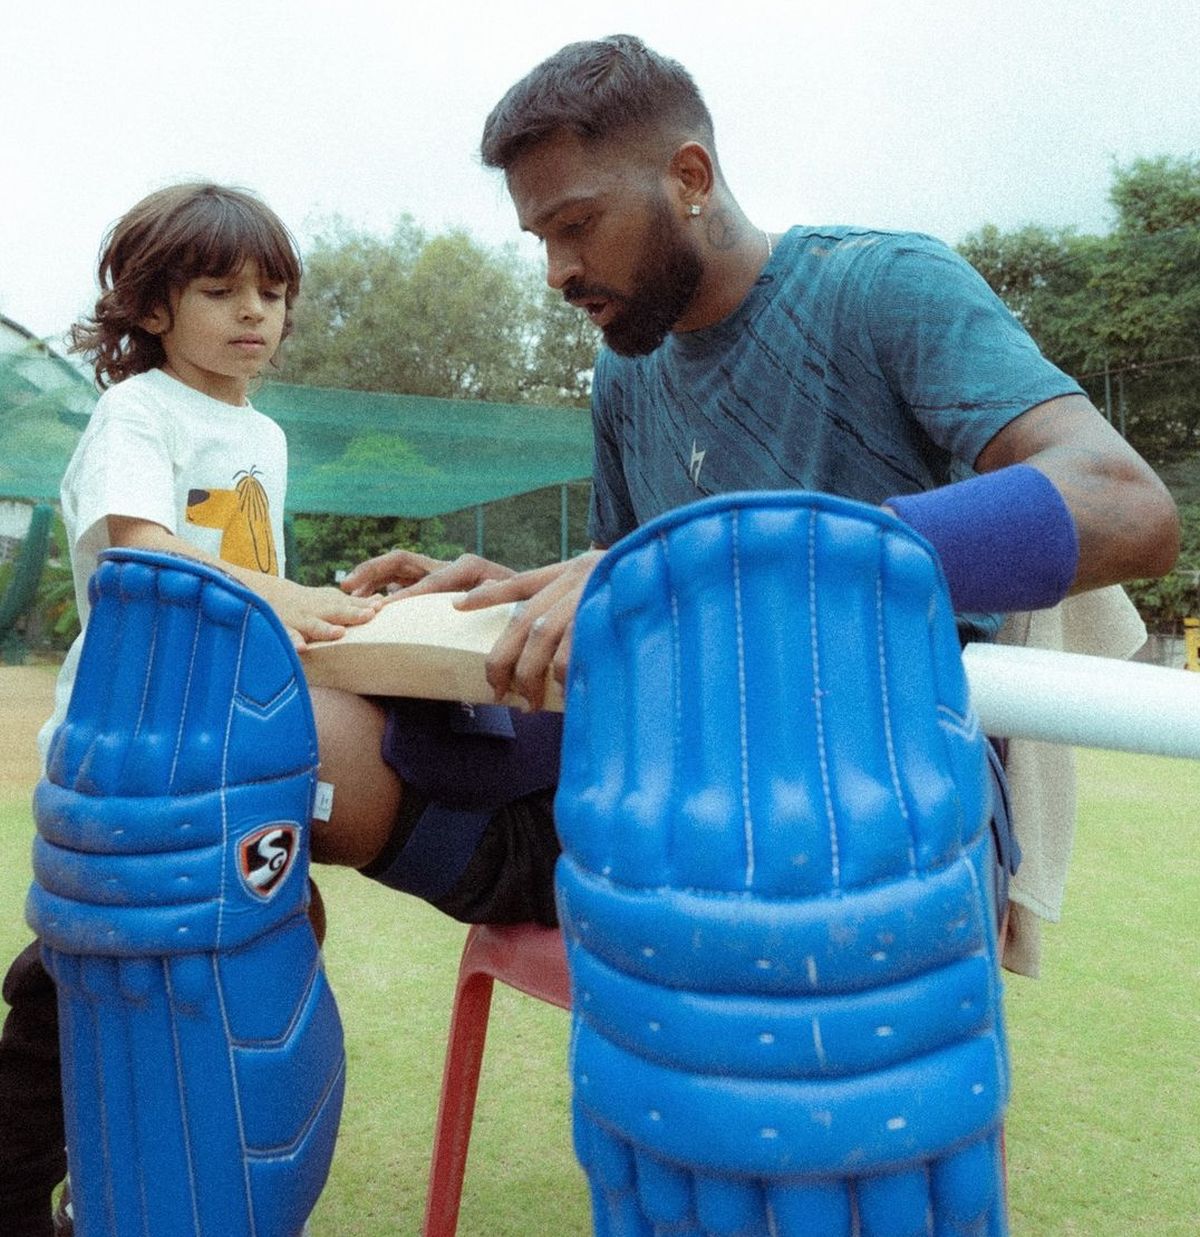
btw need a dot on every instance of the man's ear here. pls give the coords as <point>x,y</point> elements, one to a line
<point>691,170</point>
<point>157,322</point>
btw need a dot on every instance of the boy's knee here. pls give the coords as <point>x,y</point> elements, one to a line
<point>358,795</point>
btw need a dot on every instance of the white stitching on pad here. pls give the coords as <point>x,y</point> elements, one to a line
<point>747,823</point>
<point>835,863</point>
<point>887,711</point>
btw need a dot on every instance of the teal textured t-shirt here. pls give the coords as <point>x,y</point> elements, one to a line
<point>861,363</point>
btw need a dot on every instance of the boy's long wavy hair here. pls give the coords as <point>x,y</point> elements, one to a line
<point>169,238</point>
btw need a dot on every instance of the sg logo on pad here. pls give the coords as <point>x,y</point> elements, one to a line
<point>265,857</point>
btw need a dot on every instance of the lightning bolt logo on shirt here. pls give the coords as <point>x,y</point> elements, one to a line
<point>696,464</point>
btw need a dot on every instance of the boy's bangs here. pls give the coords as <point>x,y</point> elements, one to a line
<point>234,234</point>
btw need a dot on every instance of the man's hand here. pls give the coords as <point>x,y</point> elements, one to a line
<point>537,639</point>
<point>404,573</point>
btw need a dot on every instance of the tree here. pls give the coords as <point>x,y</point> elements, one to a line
<point>440,315</point>
<point>329,544</point>
<point>1152,196</point>
<point>409,314</point>
<point>444,316</point>
<point>563,351</point>
<point>1121,312</point>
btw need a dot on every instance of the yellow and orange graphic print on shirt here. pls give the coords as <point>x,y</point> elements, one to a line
<point>243,514</point>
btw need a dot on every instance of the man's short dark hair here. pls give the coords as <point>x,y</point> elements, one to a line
<point>596,90</point>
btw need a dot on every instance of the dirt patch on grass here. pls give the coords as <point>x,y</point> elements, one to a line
<point>26,700</point>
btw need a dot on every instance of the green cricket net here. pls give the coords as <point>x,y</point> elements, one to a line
<point>350,452</point>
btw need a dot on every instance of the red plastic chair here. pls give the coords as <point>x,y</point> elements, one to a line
<point>532,960</point>
<point>526,957</point>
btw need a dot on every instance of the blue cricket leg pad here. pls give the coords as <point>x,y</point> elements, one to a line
<point>202,1056</point>
<point>776,884</point>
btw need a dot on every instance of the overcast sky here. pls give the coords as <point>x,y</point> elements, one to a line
<point>939,115</point>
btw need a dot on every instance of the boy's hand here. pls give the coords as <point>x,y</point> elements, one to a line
<point>306,613</point>
<point>313,614</point>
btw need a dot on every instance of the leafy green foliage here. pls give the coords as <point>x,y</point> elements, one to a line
<point>525,531</point>
<point>328,544</point>
<point>435,315</point>
<point>1157,195</point>
<point>52,621</point>
<point>1121,312</point>
<point>441,315</point>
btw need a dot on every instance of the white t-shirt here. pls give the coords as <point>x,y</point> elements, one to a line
<point>155,449</point>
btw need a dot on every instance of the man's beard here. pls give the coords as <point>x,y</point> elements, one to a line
<point>664,284</point>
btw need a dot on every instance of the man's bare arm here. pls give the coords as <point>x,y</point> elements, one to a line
<point>1125,518</point>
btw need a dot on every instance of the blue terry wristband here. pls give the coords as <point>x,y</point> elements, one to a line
<point>1006,539</point>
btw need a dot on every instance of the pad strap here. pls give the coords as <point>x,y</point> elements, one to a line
<point>435,853</point>
<point>1006,539</point>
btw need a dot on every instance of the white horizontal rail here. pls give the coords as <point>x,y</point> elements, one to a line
<point>1084,701</point>
<point>424,647</point>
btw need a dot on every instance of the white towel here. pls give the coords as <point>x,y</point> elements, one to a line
<point>1041,776</point>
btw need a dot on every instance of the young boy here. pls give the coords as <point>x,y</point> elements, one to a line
<point>197,282</point>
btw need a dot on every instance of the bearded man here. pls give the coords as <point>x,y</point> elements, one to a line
<point>873,365</point>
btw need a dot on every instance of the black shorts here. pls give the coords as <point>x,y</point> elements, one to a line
<point>1004,838</point>
<point>475,833</point>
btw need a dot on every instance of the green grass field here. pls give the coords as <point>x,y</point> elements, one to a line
<point>1104,1127</point>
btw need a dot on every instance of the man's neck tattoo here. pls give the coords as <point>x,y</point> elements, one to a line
<point>721,230</point>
